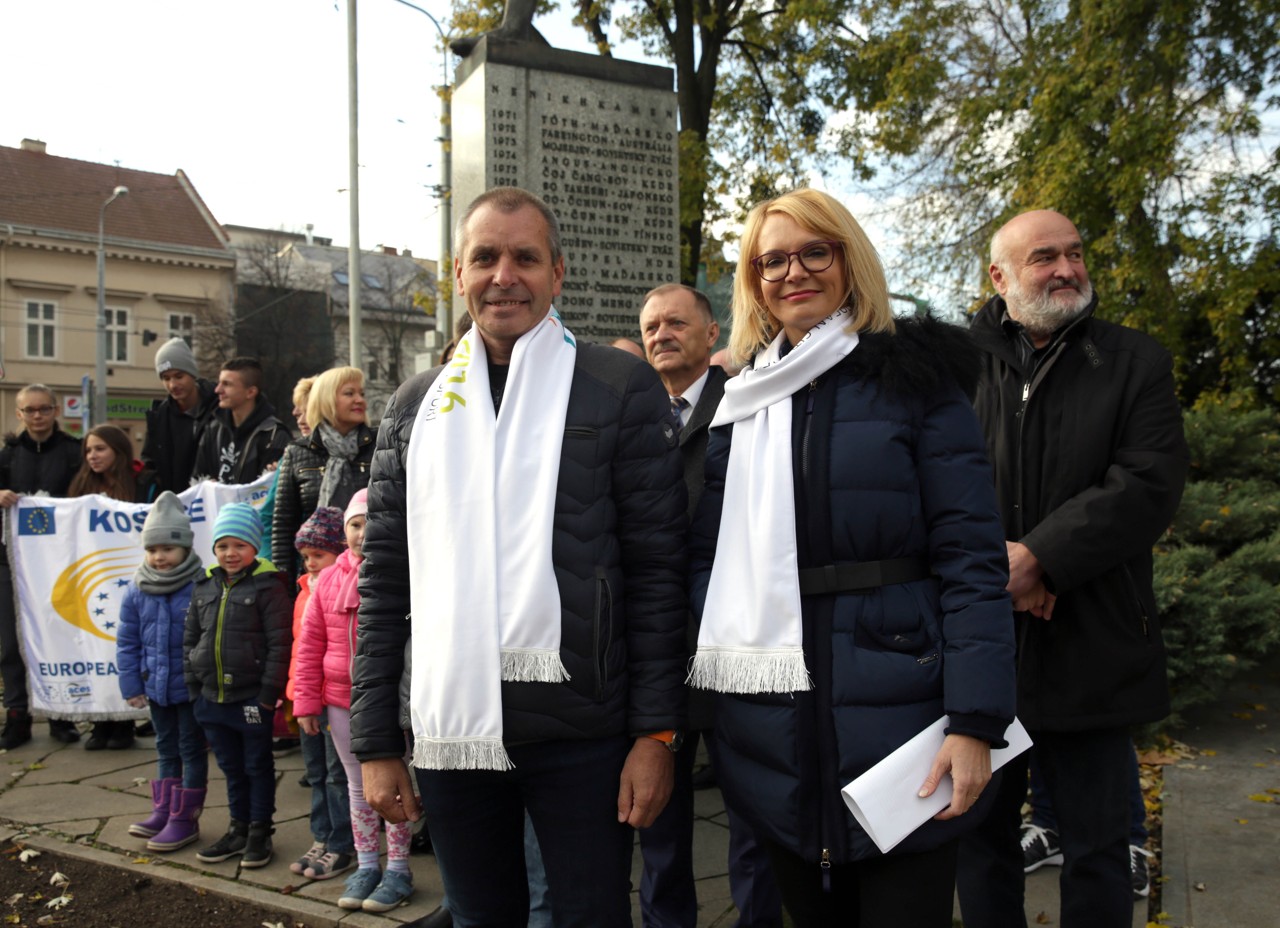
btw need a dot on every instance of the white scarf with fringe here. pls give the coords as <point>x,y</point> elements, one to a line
<point>751,639</point>
<point>480,504</point>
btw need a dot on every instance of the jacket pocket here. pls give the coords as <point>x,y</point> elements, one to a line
<point>602,630</point>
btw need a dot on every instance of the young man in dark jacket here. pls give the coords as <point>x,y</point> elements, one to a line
<point>1086,442</point>
<point>541,553</point>
<point>176,423</point>
<point>39,459</point>
<point>245,437</point>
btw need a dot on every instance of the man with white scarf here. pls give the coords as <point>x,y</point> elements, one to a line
<point>527,514</point>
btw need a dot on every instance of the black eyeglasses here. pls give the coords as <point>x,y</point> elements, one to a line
<point>814,257</point>
<point>36,410</point>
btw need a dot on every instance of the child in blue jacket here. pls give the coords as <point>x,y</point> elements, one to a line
<point>149,659</point>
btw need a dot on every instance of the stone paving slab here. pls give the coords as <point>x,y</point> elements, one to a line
<point>1221,847</point>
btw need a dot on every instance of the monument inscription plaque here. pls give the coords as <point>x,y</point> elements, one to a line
<point>594,137</point>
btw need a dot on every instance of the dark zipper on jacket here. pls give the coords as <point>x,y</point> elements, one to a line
<point>804,434</point>
<point>823,685</point>
<point>603,595</point>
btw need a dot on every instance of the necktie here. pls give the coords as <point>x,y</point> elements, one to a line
<point>678,405</point>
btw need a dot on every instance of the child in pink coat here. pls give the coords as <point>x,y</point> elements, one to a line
<point>322,678</point>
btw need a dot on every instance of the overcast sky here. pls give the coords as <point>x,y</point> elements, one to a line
<point>249,97</point>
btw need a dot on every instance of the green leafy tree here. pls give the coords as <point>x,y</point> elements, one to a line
<point>1144,121</point>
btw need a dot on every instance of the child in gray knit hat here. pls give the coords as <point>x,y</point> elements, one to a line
<point>149,659</point>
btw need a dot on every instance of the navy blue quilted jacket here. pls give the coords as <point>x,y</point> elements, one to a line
<point>149,645</point>
<point>889,463</point>
<point>618,549</point>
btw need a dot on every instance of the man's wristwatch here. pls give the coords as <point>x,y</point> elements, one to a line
<point>673,738</point>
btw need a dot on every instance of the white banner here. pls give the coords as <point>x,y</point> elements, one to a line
<point>71,560</point>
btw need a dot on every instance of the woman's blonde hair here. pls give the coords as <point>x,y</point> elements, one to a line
<point>302,390</point>
<point>322,403</point>
<point>866,292</point>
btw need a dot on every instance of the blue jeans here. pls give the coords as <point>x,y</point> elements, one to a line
<point>330,811</point>
<point>180,744</point>
<point>240,735</point>
<point>570,789</point>
<point>539,897</point>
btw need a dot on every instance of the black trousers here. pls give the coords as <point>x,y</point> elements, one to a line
<point>894,891</point>
<point>1086,775</point>
<point>12,668</point>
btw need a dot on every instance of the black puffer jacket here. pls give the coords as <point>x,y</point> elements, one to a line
<point>619,558</point>
<point>301,472</point>
<point>173,437</point>
<point>1090,461</point>
<point>237,647</point>
<point>30,466</point>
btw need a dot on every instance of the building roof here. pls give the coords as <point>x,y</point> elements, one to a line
<point>46,192</point>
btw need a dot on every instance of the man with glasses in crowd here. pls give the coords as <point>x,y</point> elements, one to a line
<point>39,458</point>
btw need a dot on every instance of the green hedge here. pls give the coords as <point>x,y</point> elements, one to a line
<point>1217,571</point>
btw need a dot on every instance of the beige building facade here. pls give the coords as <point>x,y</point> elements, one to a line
<point>169,271</point>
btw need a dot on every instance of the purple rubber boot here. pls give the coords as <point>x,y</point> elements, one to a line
<point>160,798</point>
<point>183,827</point>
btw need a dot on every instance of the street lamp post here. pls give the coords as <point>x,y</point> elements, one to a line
<point>100,371</point>
<point>444,310</point>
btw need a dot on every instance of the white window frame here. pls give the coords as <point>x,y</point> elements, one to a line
<point>118,332</point>
<point>45,329</point>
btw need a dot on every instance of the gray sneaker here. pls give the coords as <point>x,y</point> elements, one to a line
<point>360,885</point>
<point>329,865</point>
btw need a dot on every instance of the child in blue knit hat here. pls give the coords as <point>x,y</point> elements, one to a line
<point>238,638</point>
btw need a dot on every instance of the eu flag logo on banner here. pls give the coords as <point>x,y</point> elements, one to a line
<point>38,520</point>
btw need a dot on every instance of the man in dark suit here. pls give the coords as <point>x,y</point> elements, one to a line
<point>679,332</point>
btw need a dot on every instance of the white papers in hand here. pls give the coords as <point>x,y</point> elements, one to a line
<point>884,800</point>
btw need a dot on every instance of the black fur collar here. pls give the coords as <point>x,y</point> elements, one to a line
<point>920,357</point>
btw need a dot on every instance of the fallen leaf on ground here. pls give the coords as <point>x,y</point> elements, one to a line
<point>28,854</point>
<point>1199,887</point>
<point>1043,919</point>
<point>1242,821</point>
<point>1262,797</point>
<point>1209,752</point>
<point>58,879</point>
<point>1242,715</point>
<point>14,898</point>
<point>58,902</point>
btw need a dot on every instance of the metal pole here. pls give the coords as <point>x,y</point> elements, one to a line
<point>353,250</point>
<point>444,266</point>
<point>100,366</point>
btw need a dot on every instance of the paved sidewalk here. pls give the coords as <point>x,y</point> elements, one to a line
<point>81,802</point>
<point>1221,846</point>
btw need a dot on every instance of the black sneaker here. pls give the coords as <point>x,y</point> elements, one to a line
<point>257,848</point>
<point>1139,872</point>
<point>1039,848</point>
<point>229,845</point>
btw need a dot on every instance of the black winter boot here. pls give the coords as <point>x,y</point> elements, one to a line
<point>257,852</point>
<point>17,729</point>
<point>229,845</point>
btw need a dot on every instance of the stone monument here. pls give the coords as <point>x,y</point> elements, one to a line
<point>596,138</point>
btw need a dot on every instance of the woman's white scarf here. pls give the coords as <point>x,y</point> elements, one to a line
<point>480,504</point>
<point>751,639</point>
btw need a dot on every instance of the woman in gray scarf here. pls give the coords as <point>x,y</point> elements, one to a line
<point>325,468</point>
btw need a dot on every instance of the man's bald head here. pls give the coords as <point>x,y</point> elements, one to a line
<point>1037,265</point>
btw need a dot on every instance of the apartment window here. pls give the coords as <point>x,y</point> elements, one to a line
<point>117,335</point>
<point>41,329</point>
<point>183,326</point>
